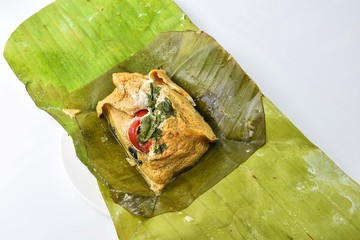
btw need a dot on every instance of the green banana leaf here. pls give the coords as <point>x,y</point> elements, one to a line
<point>220,86</point>
<point>69,43</point>
<point>288,189</point>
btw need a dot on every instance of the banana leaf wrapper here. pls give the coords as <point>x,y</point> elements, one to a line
<point>228,99</point>
<point>288,189</point>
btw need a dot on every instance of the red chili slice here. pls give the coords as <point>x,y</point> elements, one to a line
<point>133,130</point>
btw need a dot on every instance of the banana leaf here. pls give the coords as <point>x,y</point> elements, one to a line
<point>288,189</point>
<point>220,86</point>
<point>68,44</point>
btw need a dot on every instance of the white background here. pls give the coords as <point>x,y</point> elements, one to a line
<point>304,55</point>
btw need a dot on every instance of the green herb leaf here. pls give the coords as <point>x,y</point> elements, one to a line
<point>156,134</point>
<point>165,109</point>
<point>160,148</point>
<point>152,97</point>
<point>155,90</point>
<point>147,128</point>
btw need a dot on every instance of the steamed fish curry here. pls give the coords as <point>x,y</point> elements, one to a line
<point>156,122</point>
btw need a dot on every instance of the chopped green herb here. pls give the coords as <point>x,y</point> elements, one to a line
<point>147,128</point>
<point>154,93</point>
<point>155,90</point>
<point>165,108</point>
<point>159,117</point>
<point>156,134</point>
<point>160,149</point>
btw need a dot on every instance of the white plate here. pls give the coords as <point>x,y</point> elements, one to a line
<point>80,177</point>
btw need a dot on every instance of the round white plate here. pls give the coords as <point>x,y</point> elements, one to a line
<point>80,177</point>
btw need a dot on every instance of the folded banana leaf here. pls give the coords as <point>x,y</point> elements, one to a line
<point>228,99</point>
<point>287,189</point>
